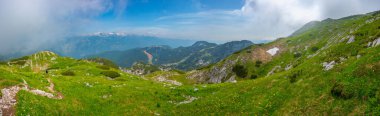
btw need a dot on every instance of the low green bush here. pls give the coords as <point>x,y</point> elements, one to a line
<point>254,76</point>
<point>104,62</point>
<point>68,73</point>
<point>343,91</point>
<point>367,70</point>
<point>240,71</point>
<point>297,55</point>
<point>103,67</point>
<point>111,74</point>
<point>314,49</point>
<point>293,77</point>
<point>258,63</point>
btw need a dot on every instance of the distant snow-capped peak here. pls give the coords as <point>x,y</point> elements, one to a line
<point>107,34</point>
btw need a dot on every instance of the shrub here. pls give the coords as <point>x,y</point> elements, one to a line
<point>359,34</point>
<point>111,74</point>
<point>240,71</point>
<point>68,73</point>
<point>258,63</point>
<point>103,61</point>
<point>293,77</point>
<point>103,67</point>
<point>297,55</point>
<point>367,70</point>
<point>254,76</point>
<point>22,58</point>
<point>342,91</point>
<point>314,49</point>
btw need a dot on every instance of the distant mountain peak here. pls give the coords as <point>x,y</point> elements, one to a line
<point>203,44</point>
<point>105,34</point>
<point>242,41</point>
<point>305,27</point>
<point>46,53</point>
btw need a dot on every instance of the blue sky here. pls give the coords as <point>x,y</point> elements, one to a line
<point>29,24</point>
<point>146,11</point>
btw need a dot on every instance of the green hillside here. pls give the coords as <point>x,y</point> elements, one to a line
<point>299,79</point>
<point>331,67</point>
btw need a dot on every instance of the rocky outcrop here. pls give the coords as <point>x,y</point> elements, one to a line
<point>217,74</point>
<point>189,99</point>
<point>8,100</point>
<point>43,93</point>
<point>351,39</point>
<point>328,65</point>
<point>274,69</point>
<point>222,71</point>
<point>163,78</point>
<point>140,68</point>
<point>374,43</point>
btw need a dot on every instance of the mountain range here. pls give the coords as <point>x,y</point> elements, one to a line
<point>80,46</point>
<point>198,55</point>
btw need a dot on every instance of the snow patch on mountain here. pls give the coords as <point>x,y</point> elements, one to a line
<point>273,51</point>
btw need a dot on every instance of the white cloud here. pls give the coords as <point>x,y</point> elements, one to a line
<point>29,24</point>
<point>261,19</point>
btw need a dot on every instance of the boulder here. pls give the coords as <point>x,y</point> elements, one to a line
<point>352,39</point>
<point>327,66</point>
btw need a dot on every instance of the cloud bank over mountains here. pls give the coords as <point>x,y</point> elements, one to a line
<point>29,24</point>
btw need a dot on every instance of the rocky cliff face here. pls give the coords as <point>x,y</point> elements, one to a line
<point>216,74</point>
<point>140,68</point>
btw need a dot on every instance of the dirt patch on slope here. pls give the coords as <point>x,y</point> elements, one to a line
<point>150,57</point>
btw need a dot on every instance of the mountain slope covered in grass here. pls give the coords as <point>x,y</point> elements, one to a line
<point>331,67</point>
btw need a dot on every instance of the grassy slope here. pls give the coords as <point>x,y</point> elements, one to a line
<point>308,93</point>
<point>127,94</point>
